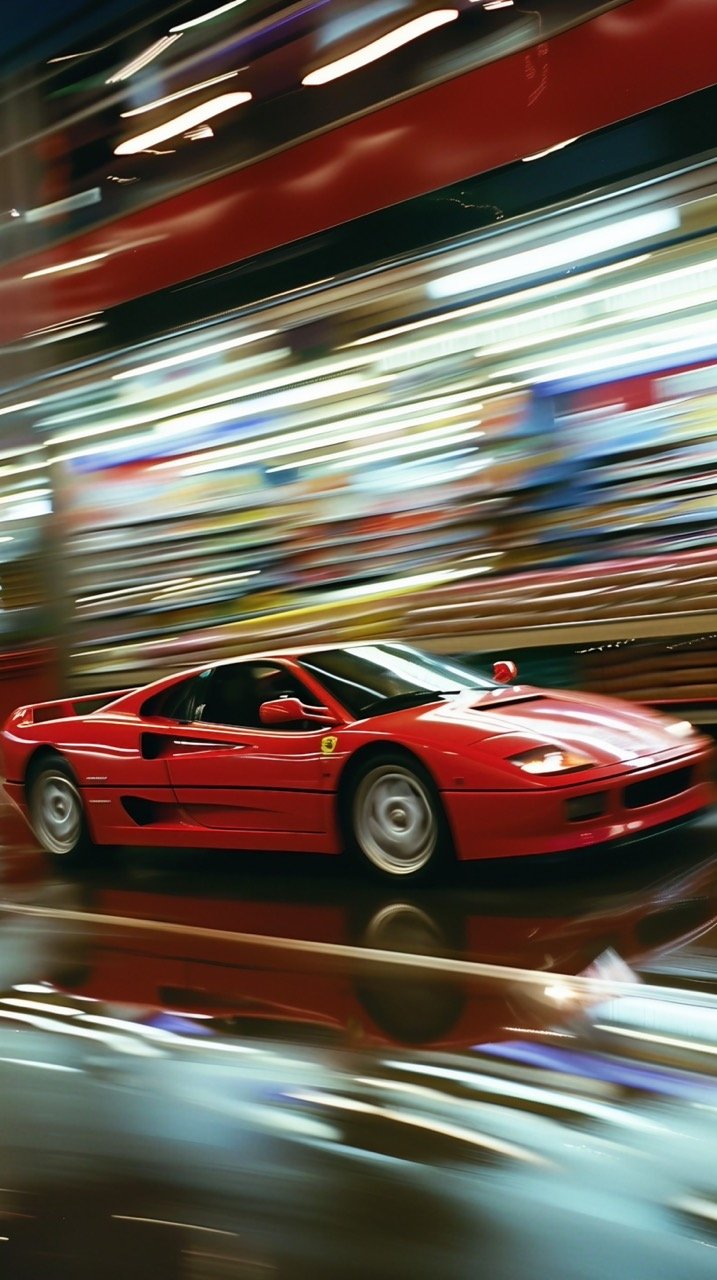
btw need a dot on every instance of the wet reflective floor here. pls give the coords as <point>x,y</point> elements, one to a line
<point>295,942</point>
<point>220,1065</point>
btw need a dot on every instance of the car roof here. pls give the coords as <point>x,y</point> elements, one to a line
<point>297,651</point>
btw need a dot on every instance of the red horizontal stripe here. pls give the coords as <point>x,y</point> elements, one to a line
<point>630,59</point>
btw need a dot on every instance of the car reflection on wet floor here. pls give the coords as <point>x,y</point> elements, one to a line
<point>213,1068</point>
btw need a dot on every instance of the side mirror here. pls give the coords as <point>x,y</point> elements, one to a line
<point>505,672</point>
<point>290,711</point>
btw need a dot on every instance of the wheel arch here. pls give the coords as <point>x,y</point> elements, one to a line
<point>46,754</point>
<point>374,750</point>
<point>366,752</point>
<point>41,753</point>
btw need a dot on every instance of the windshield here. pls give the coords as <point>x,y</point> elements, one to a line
<point>371,678</point>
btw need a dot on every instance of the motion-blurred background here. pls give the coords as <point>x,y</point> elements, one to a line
<point>338,319</point>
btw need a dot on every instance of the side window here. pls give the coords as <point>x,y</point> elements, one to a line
<point>183,701</point>
<point>273,681</point>
<point>237,691</point>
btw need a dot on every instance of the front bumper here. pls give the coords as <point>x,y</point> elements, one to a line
<point>509,824</point>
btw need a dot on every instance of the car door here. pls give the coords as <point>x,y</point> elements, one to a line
<point>230,773</point>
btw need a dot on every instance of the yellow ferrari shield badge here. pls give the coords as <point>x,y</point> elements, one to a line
<point>329,745</point>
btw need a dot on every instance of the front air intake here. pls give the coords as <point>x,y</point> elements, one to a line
<point>652,790</point>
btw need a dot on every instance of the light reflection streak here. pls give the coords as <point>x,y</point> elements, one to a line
<point>551,1098</point>
<point>70,265</point>
<point>442,1128</point>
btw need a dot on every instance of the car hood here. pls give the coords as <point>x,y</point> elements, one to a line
<point>521,717</point>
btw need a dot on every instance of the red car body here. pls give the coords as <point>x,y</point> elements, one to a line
<point>151,774</point>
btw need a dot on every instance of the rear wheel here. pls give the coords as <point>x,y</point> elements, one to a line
<point>57,812</point>
<point>395,818</point>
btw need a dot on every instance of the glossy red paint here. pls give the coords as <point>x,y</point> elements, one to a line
<point>626,61</point>
<point>149,778</point>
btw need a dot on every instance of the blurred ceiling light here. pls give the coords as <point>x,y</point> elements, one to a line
<point>202,131</point>
<point>180,124</point>
<point>66,266</point>
<point>186,356</point>
<point>181,93</point>
<point>16,408</point>
<point>207,17</point>
<point>560,253</point>
<point>475,308</point>
<point>142,60</point>
<point>70,57</point>
<point>381,47</point>
<point>538,155</point>
<point>15,213</point>
<point>495,4</point>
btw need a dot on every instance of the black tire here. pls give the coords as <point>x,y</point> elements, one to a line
<point>394,821</point>
<point>411,1009</point>
<point>57,812</point>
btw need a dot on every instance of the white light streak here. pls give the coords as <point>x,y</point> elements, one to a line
<point>143,59</point>
<point>180,124</point>
<point>66,266</point>
<point>558,146</point>
<point>208,17</point>
<point>200,353</point>
<point>180,93</point>
<point>380,48</point>
<point>447,1129</point>
<point>25,495</point>
<point>70,57</point>
<point>289,443</point>
<point>535,291</point>
<point>17,408</point>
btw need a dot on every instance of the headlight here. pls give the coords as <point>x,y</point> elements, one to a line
<point>551,760</point>
<point>681,729</point>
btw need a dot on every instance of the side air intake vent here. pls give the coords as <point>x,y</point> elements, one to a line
<point>141,811</point>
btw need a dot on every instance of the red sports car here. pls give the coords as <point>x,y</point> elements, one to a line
<point>398,756</point>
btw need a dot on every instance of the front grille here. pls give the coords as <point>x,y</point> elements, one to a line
<point>660,788</point>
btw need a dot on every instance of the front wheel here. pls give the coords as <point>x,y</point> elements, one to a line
<point>57,813</point>
<point>396,820</point>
